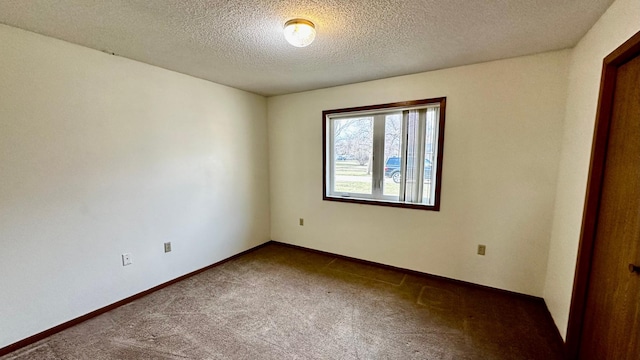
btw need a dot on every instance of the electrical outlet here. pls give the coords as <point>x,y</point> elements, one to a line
<point>301,222</point>
<point>482,249</point>
<point>167,247</point>
<point>127,259</point>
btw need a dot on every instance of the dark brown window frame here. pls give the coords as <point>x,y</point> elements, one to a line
<point>440,155</point>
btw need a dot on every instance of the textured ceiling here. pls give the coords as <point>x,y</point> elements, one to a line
<point>240,43</point>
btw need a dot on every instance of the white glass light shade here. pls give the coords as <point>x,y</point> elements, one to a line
<point>299,32</point>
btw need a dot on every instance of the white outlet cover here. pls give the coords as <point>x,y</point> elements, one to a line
<point>127,259</point>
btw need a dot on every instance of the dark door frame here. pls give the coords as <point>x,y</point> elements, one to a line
<point>621,55</point>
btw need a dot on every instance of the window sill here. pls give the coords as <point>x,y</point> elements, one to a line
<point>397,204</point>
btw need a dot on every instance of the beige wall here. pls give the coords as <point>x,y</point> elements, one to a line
<point>502,143</point>
<point>619,23</point>
<point>100,155</point>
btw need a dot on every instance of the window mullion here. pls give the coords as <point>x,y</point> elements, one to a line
<point>403,155</point>
<point>377,168</point>
<point>331,158</point>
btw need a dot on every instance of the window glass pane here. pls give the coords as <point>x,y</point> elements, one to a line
<point>353,141</point>
<point>392,154</point>
<point>430,159</point>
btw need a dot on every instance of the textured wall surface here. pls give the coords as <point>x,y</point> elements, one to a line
<point>501,152</point>
<point>100,156</point>
<point>618,24</point>
<point>240,43</point>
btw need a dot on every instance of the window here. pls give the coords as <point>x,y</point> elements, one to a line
<point>387,154</point>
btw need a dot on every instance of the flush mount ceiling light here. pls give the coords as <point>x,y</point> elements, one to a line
<point>299,32</point>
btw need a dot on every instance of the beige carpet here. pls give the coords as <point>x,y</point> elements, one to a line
<point>284,303</point>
